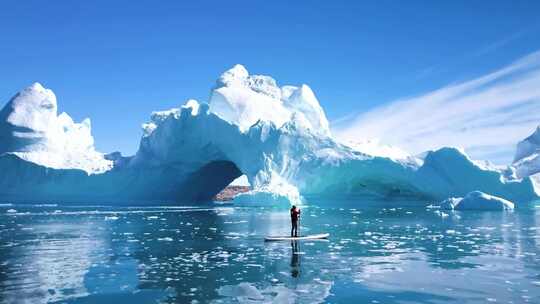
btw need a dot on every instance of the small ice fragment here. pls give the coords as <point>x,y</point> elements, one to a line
<point>444,214</point>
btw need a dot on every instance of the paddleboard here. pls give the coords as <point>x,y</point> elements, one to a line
<point>298,238</point>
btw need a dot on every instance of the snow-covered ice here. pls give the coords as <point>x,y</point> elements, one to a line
<point>31,129</point>
<point>245,99</point>
<point>527,157</point>
<point>477,200</point>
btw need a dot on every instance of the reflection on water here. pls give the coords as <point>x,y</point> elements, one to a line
<point>376,253</point>
<point>295,259</point>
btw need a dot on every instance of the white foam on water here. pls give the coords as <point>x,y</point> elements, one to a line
<point>234,222</point>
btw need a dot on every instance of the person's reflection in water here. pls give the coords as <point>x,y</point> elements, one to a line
<point>295,260</point>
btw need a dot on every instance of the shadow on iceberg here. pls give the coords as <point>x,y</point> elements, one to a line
<point>209,180</point>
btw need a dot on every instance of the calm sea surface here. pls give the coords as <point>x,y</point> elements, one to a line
<point>378,252</point>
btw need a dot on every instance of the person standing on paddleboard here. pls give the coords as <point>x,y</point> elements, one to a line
<point>295,215</point>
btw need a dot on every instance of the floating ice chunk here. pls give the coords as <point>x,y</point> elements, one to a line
<point>441,214</point>
<point>477,200</point>
<point>450,203</point>
<point>242,290</point>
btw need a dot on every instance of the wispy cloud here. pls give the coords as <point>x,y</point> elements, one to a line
<point>496,45</point>
<point>486,115</point>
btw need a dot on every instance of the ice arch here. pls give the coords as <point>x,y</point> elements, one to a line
<point>209,180</point>
<point>278,137</point>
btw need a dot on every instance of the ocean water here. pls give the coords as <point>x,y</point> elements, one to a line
<point>378,252</point>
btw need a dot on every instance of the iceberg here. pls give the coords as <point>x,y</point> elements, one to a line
<point>477,200</point>
<point>32,130</point>
<point>527,157</point>
<point>277,136</point>
<point>245,99</point>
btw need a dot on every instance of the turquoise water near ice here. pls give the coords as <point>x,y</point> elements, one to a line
<point>378,252</point>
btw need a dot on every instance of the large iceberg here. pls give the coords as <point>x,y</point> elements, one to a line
<point>278,137</point>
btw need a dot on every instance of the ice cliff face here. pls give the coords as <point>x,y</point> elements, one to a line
<point>277,136</point>
<point>527,158</point>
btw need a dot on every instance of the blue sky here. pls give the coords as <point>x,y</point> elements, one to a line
<point>116,61</point>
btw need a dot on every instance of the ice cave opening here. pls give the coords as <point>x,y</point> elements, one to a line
<point>210,180</point>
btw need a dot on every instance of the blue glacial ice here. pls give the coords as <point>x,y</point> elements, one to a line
<point>477,200</point>
<point>278,137</point>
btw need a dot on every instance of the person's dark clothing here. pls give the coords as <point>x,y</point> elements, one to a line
<point>295,214</point>
<point>294,229</point>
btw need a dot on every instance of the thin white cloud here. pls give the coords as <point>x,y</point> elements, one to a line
<point>486,115</point>
<point>496,45</point>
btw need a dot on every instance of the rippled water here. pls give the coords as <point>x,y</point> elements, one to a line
<point>377,253</point>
